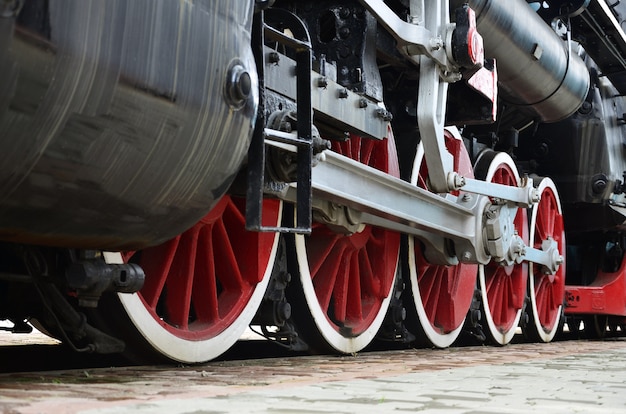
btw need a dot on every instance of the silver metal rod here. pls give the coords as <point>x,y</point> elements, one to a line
<point>541,257</point>
<point>343,180</point>
<point>522,196</point>
<point>389,202</point>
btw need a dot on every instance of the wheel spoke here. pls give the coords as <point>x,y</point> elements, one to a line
<point>237,220</point>
<point>228,270</point>
<point>504,306</point>
<point>494,293</point>
<point>180,283</point>
<point>355,148</point>
<point>425,281</point>
<point>370,283</point>
<point>340,288</point>
<point>367,151</point>
<point>158,270</point>
<point>319,251</point>
<point>558,290</point>
<point>435,294</point>
<point>205,294</point>
<point>326,278</point>
<point>430,285</point>
<point>354,309</point>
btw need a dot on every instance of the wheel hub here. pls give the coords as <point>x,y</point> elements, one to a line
<point>501,239</point>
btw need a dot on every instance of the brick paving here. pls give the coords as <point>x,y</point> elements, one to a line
<point>562,377</point>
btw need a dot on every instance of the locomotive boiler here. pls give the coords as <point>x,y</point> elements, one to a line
<point>331,173</point>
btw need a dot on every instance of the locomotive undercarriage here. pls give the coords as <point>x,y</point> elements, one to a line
<point>378,199</point>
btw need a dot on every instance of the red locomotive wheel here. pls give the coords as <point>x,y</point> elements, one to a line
<point>502,289</point>
<point>441,295</point>
<point>347,279</point>
<point>203,287</point>
<point>546,291</point>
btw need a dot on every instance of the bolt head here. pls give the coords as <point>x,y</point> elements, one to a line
<point>273,57</point>
<point>238,86</point>
<point>384,114</point>
<point>436,43</point>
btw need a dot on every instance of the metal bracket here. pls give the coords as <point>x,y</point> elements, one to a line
<point>424,40</point>
<point>507,248</point>
<point>334,106</point>
<point>431,109</point>
<point>303,142</point>
<point>414,38</point>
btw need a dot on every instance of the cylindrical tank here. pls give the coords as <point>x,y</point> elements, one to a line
<point>536,70</point>
<point>121,122</point>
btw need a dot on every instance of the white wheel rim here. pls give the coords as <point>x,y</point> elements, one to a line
<point>366,316</point>
<point>329,333</point>
<point>192,351</point>
<point>438,339</point>
<point>501,338</point>
<point>543,335</point>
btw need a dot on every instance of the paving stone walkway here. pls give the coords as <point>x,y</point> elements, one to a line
<point>562,377</point>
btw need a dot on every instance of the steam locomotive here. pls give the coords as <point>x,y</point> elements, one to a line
<point>332,173</point>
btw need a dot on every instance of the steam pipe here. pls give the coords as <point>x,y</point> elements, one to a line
<point>536,70</point>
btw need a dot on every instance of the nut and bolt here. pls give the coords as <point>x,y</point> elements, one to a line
<point>273,57</point>
<point>599,185</point>
<point>384,114</point>
<point>455,181</point>
<point>436,43</point>
<point>238,86</point>
<point>535,196</point>
<point>344,32</point>
<point>344,12</point>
